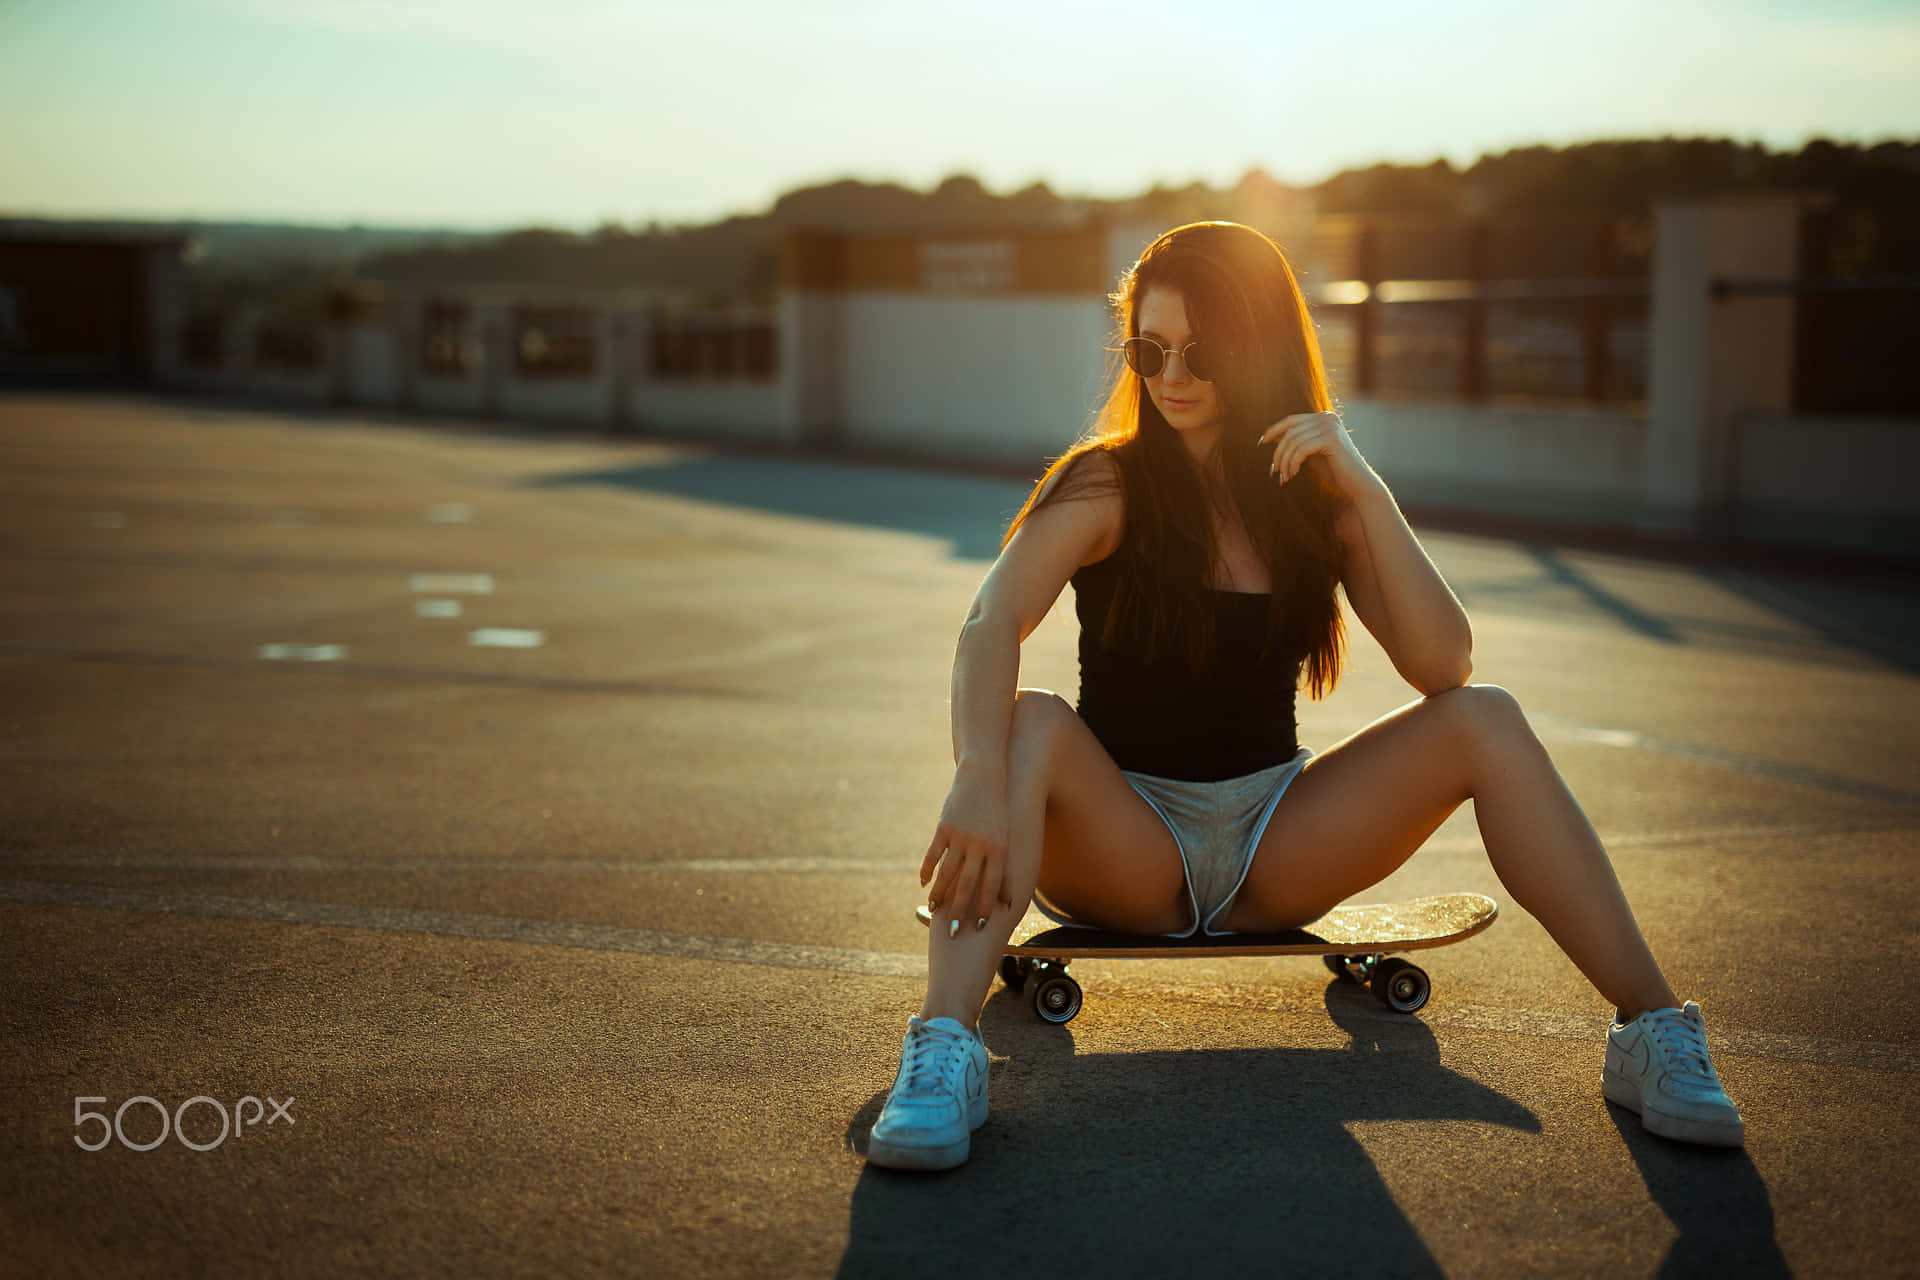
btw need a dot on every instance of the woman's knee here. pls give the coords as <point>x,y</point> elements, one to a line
<point>1482,713</point>
<point>1037,712</point>
<point>1038,715</point>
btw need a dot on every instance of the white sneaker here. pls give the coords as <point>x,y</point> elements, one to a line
<point>1657,1065</point>
<point>938,1099</point>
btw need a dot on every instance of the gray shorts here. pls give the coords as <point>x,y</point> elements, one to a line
<point>1217,826</point>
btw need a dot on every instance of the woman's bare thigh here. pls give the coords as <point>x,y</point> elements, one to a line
<point>1106,856</point>
<point>1360,809</point>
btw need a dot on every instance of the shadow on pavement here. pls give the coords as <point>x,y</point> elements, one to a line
<point>1882,623</point>
<point>1715,1199</point>
<point>1559,572</point>
<point>1137,1163</point>
<point>968,512</point>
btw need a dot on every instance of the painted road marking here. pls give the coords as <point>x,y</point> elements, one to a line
<point>303,652</point>
<point>508,866</point>
<point>1566,729</point>
<point>642,680</point>
<point>1576,1028</point>
<point>452,584</point>
<point>506,638</point>
<point>436,608</point>
<point>782,865</point>
<point>108,520</point>
<point>449,513</point>
<point>552,933</point>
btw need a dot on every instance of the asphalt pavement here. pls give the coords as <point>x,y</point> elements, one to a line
<point>441,848</point>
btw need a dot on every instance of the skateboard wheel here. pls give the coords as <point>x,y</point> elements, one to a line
<point>1057,998</point>
<point>1400,986</point>
<point>1013,972</point>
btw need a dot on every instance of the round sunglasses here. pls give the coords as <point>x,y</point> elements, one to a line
<point>1147,358</point>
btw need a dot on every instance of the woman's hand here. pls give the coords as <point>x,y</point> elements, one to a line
<point>1320,438</point>
<point>969,848</point>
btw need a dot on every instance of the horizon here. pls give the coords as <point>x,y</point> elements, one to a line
<point>638,227</point>
<point>403,114</point>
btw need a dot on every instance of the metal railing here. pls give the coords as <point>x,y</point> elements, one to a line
<point>1852,341</point>
<point>1599,300</point>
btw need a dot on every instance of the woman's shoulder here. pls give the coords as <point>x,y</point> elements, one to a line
<point>1095,479</point>
<point>1093,471</point>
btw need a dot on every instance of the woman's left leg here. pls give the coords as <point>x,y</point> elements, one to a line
<point>1360,809</point>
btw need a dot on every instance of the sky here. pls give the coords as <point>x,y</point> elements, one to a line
<point>570,113</point>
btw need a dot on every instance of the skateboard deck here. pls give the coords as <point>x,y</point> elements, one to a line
<point>1356,941</point>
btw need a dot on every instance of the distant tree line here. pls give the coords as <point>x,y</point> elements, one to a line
<point>736,259</point>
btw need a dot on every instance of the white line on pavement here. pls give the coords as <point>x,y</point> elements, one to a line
<point>436,608</point>
<point>303,652</point>
<point>1566,729</point>
<point>782,865</point>
<point>452,584</point>
<point>506,638</point>
<point>551,933</point>
<point>504,866</point>
<point>1878,1056</point>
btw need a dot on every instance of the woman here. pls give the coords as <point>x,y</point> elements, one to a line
<point>1205,523</point>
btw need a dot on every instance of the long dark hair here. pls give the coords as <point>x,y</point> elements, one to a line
<point>1241,297</point>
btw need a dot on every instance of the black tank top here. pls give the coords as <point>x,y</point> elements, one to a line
<point>1162,719</point>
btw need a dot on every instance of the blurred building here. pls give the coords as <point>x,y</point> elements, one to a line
<point>85,308</point>
<point>1662,377</point>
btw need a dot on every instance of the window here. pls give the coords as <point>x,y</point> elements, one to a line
<point>554,341</point>
<point>447,345</point>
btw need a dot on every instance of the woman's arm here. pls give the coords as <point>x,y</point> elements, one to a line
<point>1394,588</point>
<point>1399,595</point>
<point>969,845</point>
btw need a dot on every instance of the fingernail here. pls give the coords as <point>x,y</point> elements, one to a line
<point>953,928</point>
<point>980,924</point>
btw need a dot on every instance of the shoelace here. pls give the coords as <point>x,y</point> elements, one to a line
<point>931,1054</point>
<point>1685,1043</point>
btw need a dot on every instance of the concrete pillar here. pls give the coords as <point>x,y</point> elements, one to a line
<point>336,345</point>
<point>810,344</point>
<point>336,359</point>
<point>609,359</point>
<point>494,323</point>
<point>168,304</point>
<point>810,365</point>
<point>1714,360</point>
<point>239,355</point>
<point>404,316</point>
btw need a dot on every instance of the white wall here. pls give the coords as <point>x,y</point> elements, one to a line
<point>1010,378</point>
<point>810,363</point>
<point>1571,464</point>
<point>304,387</point>
<point>1835,481</point>
<point>734,408</point>
<point>552,399</point>
<point>436,393</point>
<point>371,376</point>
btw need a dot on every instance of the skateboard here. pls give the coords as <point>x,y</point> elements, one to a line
<point>1356,942</point>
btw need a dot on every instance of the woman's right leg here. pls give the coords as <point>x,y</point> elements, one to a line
<point>1078,829</point>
